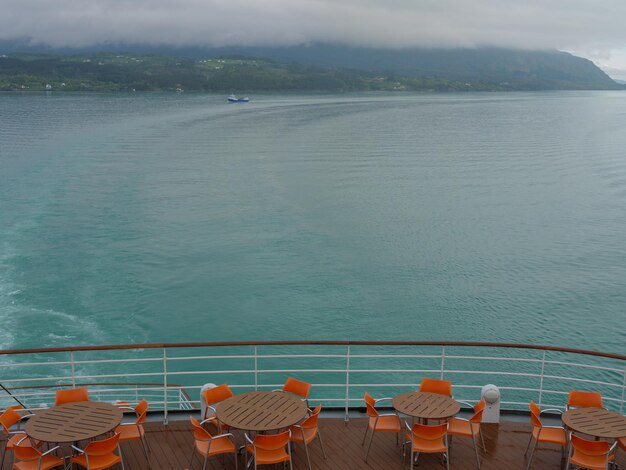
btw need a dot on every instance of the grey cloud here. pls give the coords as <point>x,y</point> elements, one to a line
<point>563,24</point>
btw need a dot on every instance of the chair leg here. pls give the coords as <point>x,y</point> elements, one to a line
<point>369,445</point>
<point>306,451</point>
<point>530,439</point>
<point>119,449</point>
<point>447,456</point>
<point>476,451</point>
<point>482,440</point>
<point>367,428</point>
<point>147,444</point>
<point>321,444</point>
<point>532,452</point>
<point>145,451</point>
<point>206,457</point>
<point>3,453</point>
<point>236,459</point>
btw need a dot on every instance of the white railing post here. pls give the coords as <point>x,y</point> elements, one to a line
<point>347,383</point>
<point>164,386</point>
<point>543,368</point>
<point>256,369</point>
<point>443,360</point>
<point>621,405</point>
<point>73,371</point>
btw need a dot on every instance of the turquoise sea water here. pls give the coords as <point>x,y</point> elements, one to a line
<point>162,217</point>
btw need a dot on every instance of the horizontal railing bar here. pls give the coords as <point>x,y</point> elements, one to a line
<point>315,343</point>
<point>497,358</point>
<point>394,356</point>
<point>264,356</point>
<point>27,364</point>
<point>109,376</point>
<point>35,379</point>
<point>574,379</point>
<point>586,366</point>
<point>196,358</point>
<point>103,361</point>
<point>385,371</point>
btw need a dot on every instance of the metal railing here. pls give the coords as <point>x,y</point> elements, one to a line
<point>340,371</point>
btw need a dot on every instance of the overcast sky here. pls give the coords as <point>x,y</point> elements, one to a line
<point>595,29</point>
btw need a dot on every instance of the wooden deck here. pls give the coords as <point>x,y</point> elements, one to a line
<point>171,446</point>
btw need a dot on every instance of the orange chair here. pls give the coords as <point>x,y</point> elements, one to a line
<point>469,427</point>
<point>441,387</point>
<point>99,455</point>
<point>305,432</point>
<point>71,395</point>
<point>297,387</point>
<point>134,431</point>
<point>8,420</point>
<point>268,449</point>
<point>428,440</point>
<point>208,445</point>
<point>541,433</point>
<point>578,399</point>
<point>30,458</point>
<point>378,422</point>
<point>213,396</point>
<point>592,455</point>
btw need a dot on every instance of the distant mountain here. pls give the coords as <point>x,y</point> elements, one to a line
<point>522,69</point>
<point>482,69</point>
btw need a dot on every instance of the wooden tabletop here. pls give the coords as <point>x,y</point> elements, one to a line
<point>261,411</point>
<point>73,422</point>
<point>596,422</point>
<point>426,405</point>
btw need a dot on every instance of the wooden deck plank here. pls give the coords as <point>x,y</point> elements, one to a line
<point>171,446</point>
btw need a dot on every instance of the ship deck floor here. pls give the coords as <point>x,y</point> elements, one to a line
<point>171,449</point>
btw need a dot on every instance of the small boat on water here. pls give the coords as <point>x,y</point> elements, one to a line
<point>234,99</point>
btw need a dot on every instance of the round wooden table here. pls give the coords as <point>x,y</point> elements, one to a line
<point>426,405</point>
<point>73,422</point>
<point>261,411</point>
<point>596,422</point>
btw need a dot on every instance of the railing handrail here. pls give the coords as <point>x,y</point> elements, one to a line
<point>114,347</point>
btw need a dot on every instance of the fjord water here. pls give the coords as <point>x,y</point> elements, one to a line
<point>178,217</point>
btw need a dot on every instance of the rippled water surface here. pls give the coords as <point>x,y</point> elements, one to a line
<point>155,217</point>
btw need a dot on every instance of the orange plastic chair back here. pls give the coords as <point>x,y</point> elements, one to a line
<point>580,399</point>
<point>199,433</point>
<point>71,395</point>
<point>9,418</point>
<point>311,421</point>
<point>477,417</point>
<point>272,441</point>
<point>480,406</point>
<point>142,411</point>
<point>297,387</point>
<point>103,447</point>
<point>535,421</point>
<point>369,404</point>
<point>586,453</point>
<point>429,433</point>
<point>217,394</point>
<point>534,409</point>
<point>534,415</point>
<point>441,387</point>
<point>25,451</point>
